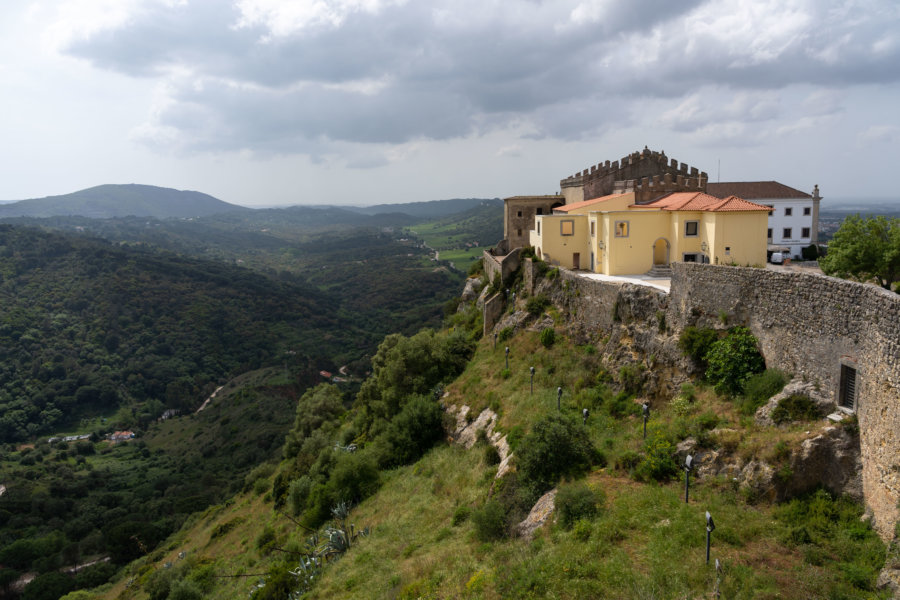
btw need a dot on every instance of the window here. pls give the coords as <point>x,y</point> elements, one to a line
<point>691,228</point>
<point>769,233</point>
<point>847,391</point>
<point>807,211</point>
<point>519,213</point>
<point>567,227</point>
<point>621,228</point>
<point>727,250</point>
<point>540,210</point>
<point>788,211</point>
<point>539,228</point>
<point>593,223</point>
<point>770,207</point>
<point>690,258</point>
<point>519,232</point>
<point>786,234</point>
<point>805,233</point>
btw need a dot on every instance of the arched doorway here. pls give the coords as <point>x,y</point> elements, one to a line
<point>661,252</point>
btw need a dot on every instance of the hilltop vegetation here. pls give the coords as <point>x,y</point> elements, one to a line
<point>442,524</point>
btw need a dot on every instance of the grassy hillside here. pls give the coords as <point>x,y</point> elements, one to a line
<point>461,238</point>
<point>441,523</point>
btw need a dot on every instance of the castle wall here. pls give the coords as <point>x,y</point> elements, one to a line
<point>808,325</point>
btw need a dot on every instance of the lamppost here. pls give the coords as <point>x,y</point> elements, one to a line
<point>532,380</point>
<point>710,526</point>
<point>558,398</point>
<point>507,358</point>
<point>645,407</point>
<point>688,465</point>
<point>584,416</point>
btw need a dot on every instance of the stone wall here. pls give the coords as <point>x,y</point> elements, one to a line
<point>493,308</point>
<point>500,265</point>
<point>808,325</point>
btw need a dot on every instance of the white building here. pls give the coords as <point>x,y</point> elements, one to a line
<point>794,218</point>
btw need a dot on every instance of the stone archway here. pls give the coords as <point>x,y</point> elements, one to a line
<point>661,252</point>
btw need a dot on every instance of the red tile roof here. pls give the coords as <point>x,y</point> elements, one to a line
<point>698,201</point>
<point>754,189</point>
<point>586,203</point>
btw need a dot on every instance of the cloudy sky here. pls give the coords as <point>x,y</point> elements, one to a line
<point>269,102</point>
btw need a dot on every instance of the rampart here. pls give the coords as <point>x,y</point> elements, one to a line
<point>808,325</point>
<point>500,262</point>
<point>638,170</point>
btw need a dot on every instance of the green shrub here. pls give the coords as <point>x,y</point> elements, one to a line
<point>411,433</point>
<point>622,405</point>
<point>628,461</point>
<point>476,267</point>
<point>658,463</point>
<point>548,337</point>
<point>575,501</point>
<point>732,359</point>
<point>536,304</point>
<point>796,407</point>
<point>460,515</point>
<point>632,378</point>
<point>491,455</point>
<point>505,334</point>
<point>490,521</point>
<point>695,342</point>
<point>298,492</point>
<point>758,388</point>
<point>555,448</point>
<point>553,273</point>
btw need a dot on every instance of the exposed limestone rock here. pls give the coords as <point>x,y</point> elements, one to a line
<point>539,514</point>
<point>515,320</point>
<point>758,480</point>
<point>831,459</point>
<point>466,433</point>
<point>471,289</point>
<point>824,403</point>
<point>889,578</point>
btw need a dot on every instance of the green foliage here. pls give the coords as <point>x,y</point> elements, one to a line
<point>732,359</point>
<point>536,304</point>
<point>575,501</point>
<point>796,407</point>
<point>865,248</point>
<point>505,334</point>
<point>405,366</point>
<point>460,515</point>
<point>298,492</point>
<point>556,447</point>
<point>810,252</point>
<point>658,463</point>
<point>695,342</point>
<point>833,525</point>
<point>759,387</point>
<point>317,407</point>
<point>490,521</point>
<point>631,377</point>
<point>476,268</point>
<point>48,586</point>
<point>622,405</point>
<point>548,337</point>
<point>265,540</point>
<point>491,455</point>
<point>260,473</point>
<point>412,432</point>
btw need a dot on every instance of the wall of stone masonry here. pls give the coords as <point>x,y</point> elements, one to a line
<point>807,324</point>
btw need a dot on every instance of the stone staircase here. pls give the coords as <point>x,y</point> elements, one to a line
<point>660,272</point>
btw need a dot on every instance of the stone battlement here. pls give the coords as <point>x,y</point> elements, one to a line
<point>639,168</point>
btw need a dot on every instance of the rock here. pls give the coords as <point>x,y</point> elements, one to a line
<point>466,434</point>
<point>685,447</point>
<point>539,514</point>
<point>831,459</point>
<point>824,403</point>
<point>889,578</point>
<point>758,480</point>
<point>482,297</point>
<point>471,289</point>
<point>515,320</point>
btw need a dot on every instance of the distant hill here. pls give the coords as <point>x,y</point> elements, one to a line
<point>429,209</point>
<point>111,200</point>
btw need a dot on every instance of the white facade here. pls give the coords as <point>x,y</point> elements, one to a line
<point>791,223</point>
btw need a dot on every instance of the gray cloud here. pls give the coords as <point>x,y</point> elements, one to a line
<point>443,70</point>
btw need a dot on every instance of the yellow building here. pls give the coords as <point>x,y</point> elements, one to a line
<point>615,236</point>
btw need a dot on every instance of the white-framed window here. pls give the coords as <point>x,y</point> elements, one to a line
<point>567,227</point>
<point>786,233</point>
<point>807,211</point>
<point>788,211</point>
<point>621,228</point>
<point>691,228</point>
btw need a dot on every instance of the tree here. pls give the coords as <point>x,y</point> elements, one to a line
<point>732,359</point>
<point>865,248</point>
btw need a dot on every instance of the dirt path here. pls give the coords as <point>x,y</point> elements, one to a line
<point>211,396</point>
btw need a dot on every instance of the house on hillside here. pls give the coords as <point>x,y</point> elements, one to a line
<point>793,215</point>
<point>618,235</point>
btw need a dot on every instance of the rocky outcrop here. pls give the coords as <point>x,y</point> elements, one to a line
<point>539,515</point>
<point>889,578</point>
<point>466,433</point>
<point>472,288</point>
<point>830,459</point>
<point>824,402</point>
